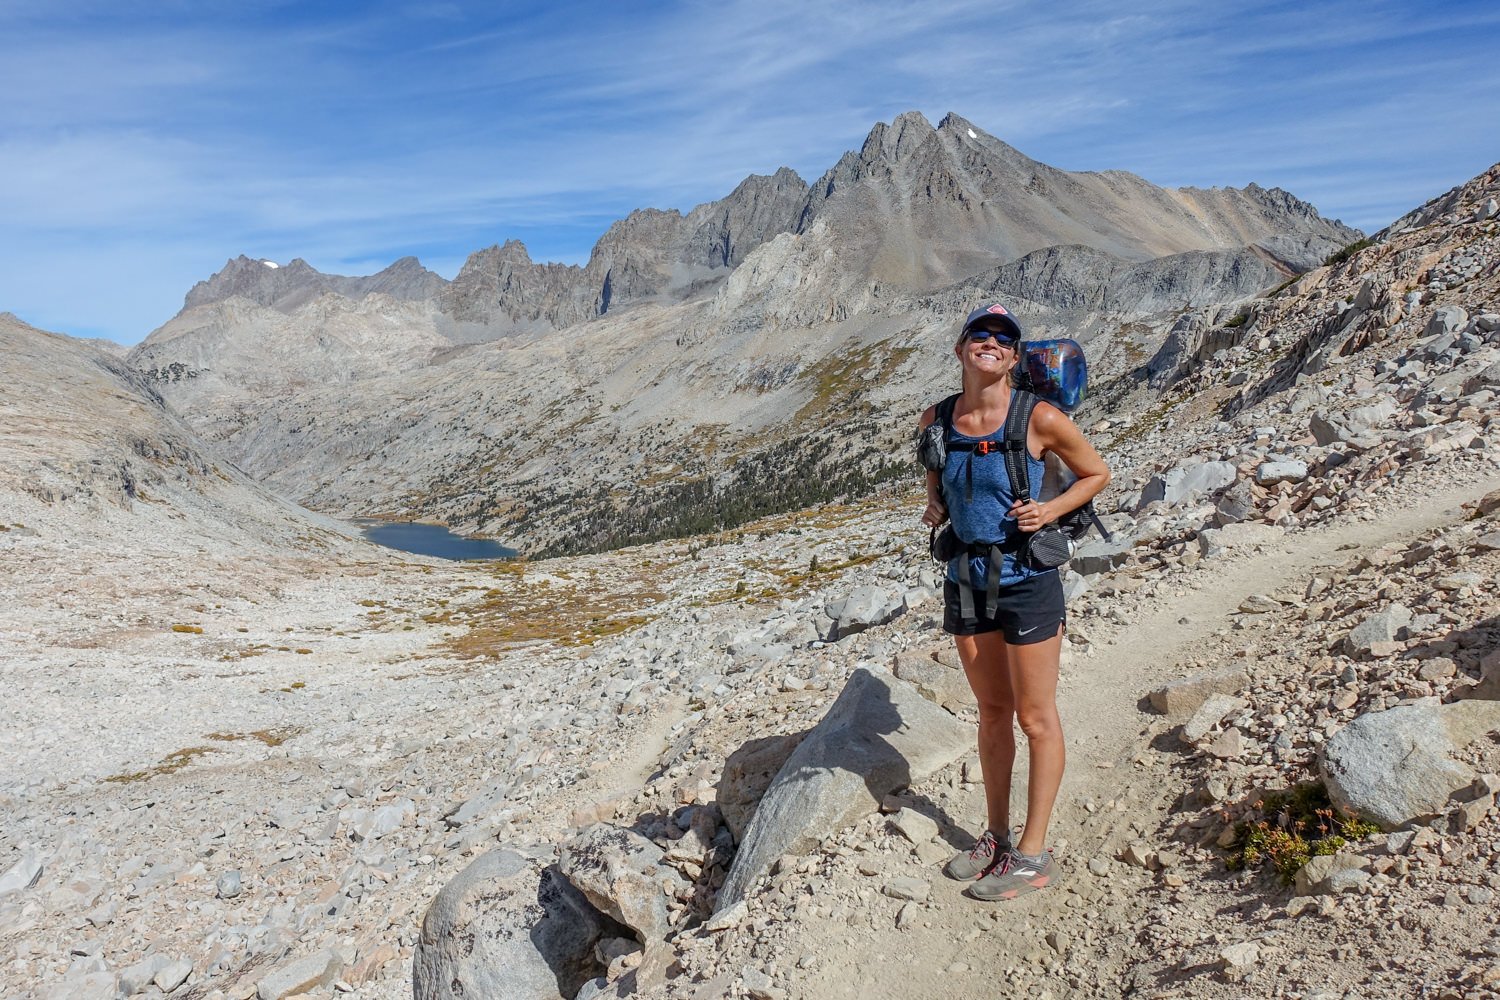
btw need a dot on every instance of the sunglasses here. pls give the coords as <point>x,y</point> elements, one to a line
<point>1002,338</point>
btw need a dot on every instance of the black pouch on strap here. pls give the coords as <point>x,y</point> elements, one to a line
<point>1049,547</point>
<point>944,543</point>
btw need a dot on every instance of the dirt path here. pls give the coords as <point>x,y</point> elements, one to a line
<point>1100,717</point>
<point>959,948</point>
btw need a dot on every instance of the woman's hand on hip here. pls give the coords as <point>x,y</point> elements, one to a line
<point>1031,515</point>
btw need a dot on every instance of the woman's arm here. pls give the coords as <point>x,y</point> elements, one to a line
<point>937,511</point>
<point>1054,432</point>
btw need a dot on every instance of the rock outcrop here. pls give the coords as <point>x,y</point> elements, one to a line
<point>879,736</point>
<point>506,927</point>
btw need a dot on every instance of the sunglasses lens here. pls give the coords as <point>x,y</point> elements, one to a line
<point>1000,338</point>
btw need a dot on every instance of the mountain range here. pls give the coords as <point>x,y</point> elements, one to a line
<point>757,352</point>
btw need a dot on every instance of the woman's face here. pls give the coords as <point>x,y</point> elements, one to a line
<point>987,353</point>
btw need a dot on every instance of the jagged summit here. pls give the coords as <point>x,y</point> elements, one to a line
<point>285,287</point>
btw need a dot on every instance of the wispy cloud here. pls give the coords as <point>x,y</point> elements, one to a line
<point>139,150</point>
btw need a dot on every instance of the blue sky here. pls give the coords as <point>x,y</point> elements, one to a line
<point>139,151</point>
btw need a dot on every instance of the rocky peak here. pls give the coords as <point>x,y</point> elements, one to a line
<point>725,231</point>
<point>500,286</point>
<point>909,132</point>
<point>285,287</point>
<point>260,281</point>
<point>404,279</point>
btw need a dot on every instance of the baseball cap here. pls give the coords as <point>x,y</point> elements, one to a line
<point>998,318</point>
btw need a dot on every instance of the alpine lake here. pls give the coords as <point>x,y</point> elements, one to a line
<point>431,540</point>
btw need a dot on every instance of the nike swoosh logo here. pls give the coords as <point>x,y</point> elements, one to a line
<point>1028,631</point>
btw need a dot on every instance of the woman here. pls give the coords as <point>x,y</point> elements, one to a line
<point>1011,655</point>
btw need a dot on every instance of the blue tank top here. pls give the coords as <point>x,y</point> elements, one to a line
<point>987,518</point>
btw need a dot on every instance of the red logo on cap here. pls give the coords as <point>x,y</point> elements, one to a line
<point>998,310</point>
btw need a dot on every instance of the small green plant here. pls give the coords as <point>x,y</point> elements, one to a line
<point>1240,319</point>
<point>1298,825</point>
<point>1282,287</point>
<point>1339,256</point>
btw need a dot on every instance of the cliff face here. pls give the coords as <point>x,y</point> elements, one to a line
<point>90,452</point>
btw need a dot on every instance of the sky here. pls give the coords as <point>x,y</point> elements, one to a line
<point>142,148</point>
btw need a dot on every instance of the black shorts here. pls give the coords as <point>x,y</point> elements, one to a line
<point>1029,611</point>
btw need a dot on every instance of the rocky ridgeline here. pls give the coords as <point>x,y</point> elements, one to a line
<point>781,327</point>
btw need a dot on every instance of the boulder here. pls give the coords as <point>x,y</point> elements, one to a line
<point>1384,625</point>
<point>622,874</point>
<point>372,824</point>
<point>503,928</point>
<point>934,679</point>
<point>914,826</point>
<point>879,736</point>
<point>1098,556</point>
<point>1177,484</point>
<point>1353,426</point>
<point>137,977</point>
<point>1259,604</point>
<point>1446,320</point>
<point>1286,471</point>
<point>302,976</point>
<point>24,874</point>
<point>1184,696</point>
<point>1396,766</point>
<point>1330,874</point>
<point>1369,417</point>
<point>1236,504</point>
<point>1489,679</point>
<point>481,806</point>
<point>864,608</point>
<point>748,772</point>
<point>1212,712</point>
<point>1239,960</point>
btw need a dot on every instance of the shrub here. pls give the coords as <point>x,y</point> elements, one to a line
<point>1297,825</point>
<point>1339,256</point>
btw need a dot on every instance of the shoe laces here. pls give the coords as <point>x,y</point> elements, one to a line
<point>986,847</point>
<point>1005,862</point>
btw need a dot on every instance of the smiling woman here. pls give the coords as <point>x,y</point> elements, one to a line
<point>1009,627</point>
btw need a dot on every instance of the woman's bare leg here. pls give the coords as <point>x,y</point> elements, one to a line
<point>985,664</point>
<point>1033,679</point>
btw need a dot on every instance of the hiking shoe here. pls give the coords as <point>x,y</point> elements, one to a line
<point>969,865</point>
<point>1015,875</point>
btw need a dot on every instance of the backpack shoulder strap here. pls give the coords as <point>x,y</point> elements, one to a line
<point>1017,421</point>
<point>945,413</point>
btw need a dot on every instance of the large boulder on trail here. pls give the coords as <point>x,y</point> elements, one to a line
<point>747,773</point>
<point>504,927</point>
<point>880,735</point>
<point>1397,766</point>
